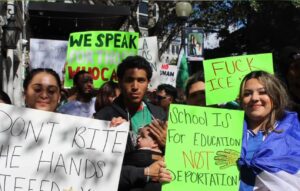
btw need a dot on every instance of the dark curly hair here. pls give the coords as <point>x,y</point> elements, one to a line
<point>134,62</point>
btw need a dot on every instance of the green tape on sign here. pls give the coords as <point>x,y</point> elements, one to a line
<point>99,53</point>
<point>223,75</point>
<point>203,145</point>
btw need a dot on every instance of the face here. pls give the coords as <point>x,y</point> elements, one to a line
<point>163,99</point>
<point>196,94</point>
<point>85,84</point>
<point>144,140</point>
<point>293,79</point>
<point>42,92</point>
<point>134,85</point>
<point>255,100</point>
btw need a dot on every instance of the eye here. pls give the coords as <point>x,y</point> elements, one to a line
<point>142,80</point>
<point>247,93</point>
<point>52,90</point>
<point>37,89</point>
<point>262,92</point>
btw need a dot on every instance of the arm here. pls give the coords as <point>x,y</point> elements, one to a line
<point>132,176</point>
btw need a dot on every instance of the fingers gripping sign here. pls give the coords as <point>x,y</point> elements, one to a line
<point>226,158</point>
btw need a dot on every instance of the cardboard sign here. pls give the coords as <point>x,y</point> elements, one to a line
<point>99,53</point>
<point>168,74</point>
<point>51,152</point>
<point>223,75</point>
<point>202,147</point>
<point>46,53</point>
<point>148,49</point>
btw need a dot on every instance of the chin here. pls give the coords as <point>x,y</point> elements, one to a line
<point>44,108</point>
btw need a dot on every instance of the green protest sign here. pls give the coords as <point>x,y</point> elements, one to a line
<point>202,147</point>
<point>223,75</point>
<point>99,53</point>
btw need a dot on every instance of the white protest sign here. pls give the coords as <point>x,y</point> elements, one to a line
<point>46,151</point>
<point>168,74</point>
<point>48,54</point>
<point>149,50</point>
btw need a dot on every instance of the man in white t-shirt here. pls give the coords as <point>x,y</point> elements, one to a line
<point>84,104</point>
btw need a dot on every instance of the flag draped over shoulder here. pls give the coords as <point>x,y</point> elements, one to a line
<point>276,163</point>
<point>183,70</point>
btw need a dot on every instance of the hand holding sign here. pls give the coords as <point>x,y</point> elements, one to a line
<point>226,158</point>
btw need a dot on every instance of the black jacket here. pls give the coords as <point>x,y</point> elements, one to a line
<point>132,177</point>
<point>118,109</point>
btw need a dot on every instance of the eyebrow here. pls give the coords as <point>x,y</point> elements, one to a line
<point>263,88</point>
<point>38,84</point>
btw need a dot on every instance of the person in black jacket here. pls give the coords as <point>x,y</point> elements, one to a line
<point>134,74</point>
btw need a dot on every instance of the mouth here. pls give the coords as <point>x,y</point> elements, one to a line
<point>43,104</point>
<point>135,95</point>
<point>257,106</point>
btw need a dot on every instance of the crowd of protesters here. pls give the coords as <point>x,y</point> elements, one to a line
<point>270,117</point>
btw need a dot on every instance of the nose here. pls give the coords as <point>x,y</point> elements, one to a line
<point>255,96</point>
<point>44,94</point>
<point>134,85</point>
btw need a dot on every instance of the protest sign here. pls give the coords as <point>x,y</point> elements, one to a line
<point>46,53</point>
<point>168,74</point>
<point>47,151</point>
<point>202,147</point>
<point>149,50</point>
<point>99,53</point>
<point>223,75</point>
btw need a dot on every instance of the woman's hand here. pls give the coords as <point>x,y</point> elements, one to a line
<point>116,121</point>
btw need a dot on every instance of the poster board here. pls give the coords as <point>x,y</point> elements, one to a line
<point>195,137</point>
<point>195,43</point>
<point>149,50</point>
<point>48,151</point>
<point>45,53</point>
<point>168,74</point>
<point>223,75</point>
<point>99,53</point>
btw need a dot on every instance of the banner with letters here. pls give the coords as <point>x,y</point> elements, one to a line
<point>42,150</point>
<point>149,50</point>
<point>202,147</point>
<point>168,74</point>
<point>99,53</point>
<point>223,75</point>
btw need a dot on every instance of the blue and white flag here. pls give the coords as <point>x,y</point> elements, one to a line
<point>275,166</point>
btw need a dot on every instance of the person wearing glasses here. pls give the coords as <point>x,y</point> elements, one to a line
<point>165,95</point>
<point>84,104</point>
<point>42,88</point>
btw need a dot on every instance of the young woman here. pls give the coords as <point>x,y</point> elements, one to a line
<point>42,89</point>
<point>270,157</point>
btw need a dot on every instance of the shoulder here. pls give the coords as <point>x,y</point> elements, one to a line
<point>156,111</point>
<point>67,106</point>
<point>108,112</point>
<point>290,119</point>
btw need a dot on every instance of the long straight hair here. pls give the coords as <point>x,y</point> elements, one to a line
<point>277,93</point>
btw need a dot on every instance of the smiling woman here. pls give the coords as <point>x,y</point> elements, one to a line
<point>271,140</point>
<point>42,88</point>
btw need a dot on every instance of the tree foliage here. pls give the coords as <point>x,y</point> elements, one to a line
<point>264,25</point>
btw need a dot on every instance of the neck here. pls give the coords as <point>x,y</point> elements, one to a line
<point>132,107</point>
<point>255,126</point>
<point>83,98</point>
